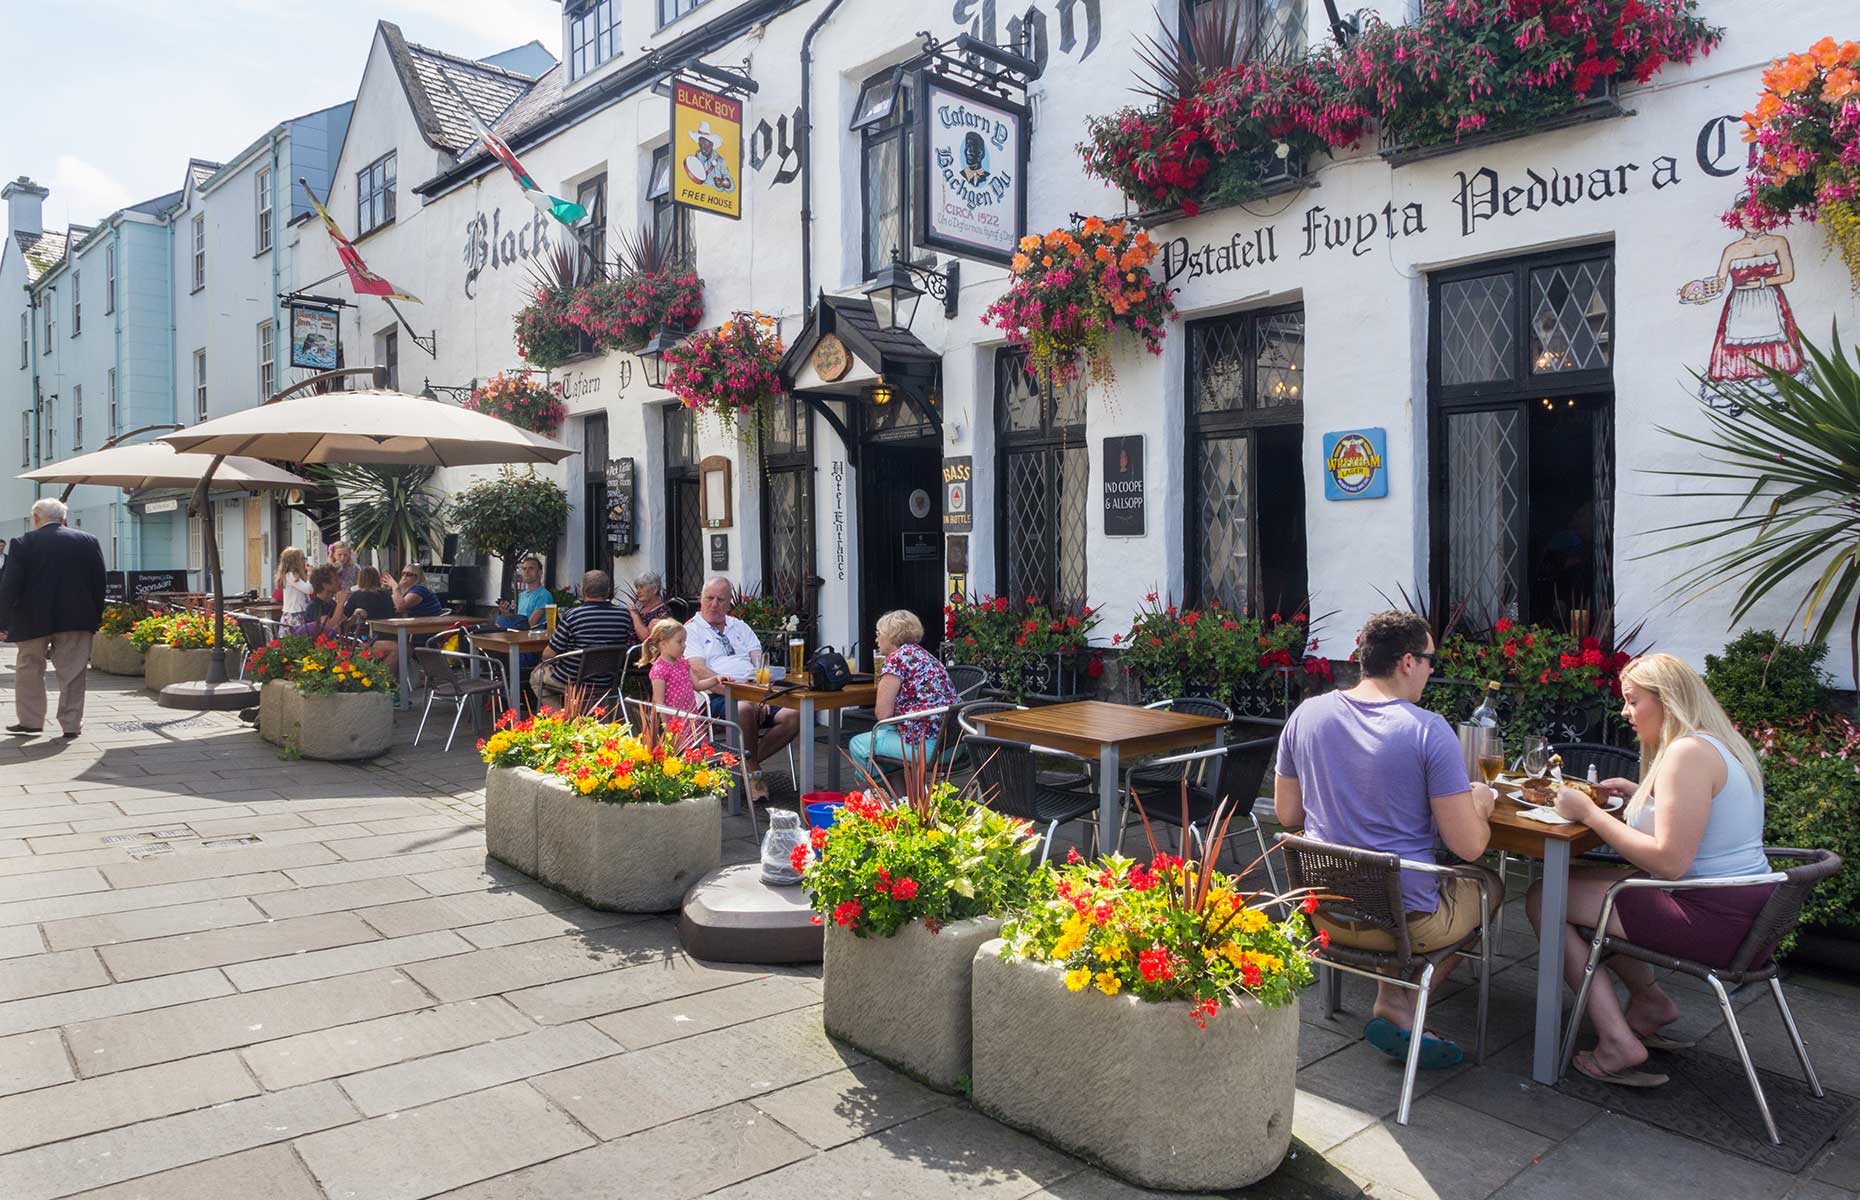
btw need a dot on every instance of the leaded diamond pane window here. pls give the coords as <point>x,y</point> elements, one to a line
<point>1045,476</point>
<point>1572,317</point>
<point>1280,364</point>
<point>1030,526</point>
<point>1219,378</point>
<point>787,536</point>
<point>1074,484</point>
<point>1485,513</point>
<point>1223,488</point>
<point>1476,335</point>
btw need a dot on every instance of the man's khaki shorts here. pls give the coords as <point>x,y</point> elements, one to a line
<point>1454,921</point>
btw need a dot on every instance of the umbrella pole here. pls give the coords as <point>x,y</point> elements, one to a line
<point>216,660</point>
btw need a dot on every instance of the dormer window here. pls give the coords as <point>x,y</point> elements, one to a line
<point>593,35</point>
<point>671,10</point>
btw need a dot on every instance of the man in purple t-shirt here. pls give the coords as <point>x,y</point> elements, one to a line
<point>1369,768</point>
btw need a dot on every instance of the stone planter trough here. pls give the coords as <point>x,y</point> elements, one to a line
<point>905,999</point>
<point>617,857</point>
<point>114,655</point>
<point>166,665</point>
<point>1135,1086</point>
<point>331,728</point>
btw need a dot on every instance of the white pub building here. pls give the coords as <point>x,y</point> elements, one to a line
<point>1499,323</point>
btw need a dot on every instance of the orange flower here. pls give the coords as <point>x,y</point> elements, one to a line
<point>1790,75</point>
<point>1850,52</point>
<point>1030,243</point>
<point>1769,105</point>
<point>1840,83</point>
<point>1133,258</point>
<point>1115,233</point>
<point>1055,239</point>
<point>1046,260</point>
<point>1093,226</point>
<point>1825,52</point>
<point>1106,255</point>
<point>1021,263</point>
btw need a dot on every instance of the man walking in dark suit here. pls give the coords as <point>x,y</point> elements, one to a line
<point>51,602</point>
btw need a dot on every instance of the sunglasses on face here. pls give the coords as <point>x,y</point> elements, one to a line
<point>1429,657</point>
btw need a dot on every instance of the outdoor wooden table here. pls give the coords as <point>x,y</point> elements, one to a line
<point>1551,845</point>
<point>516,643</point>
<point>808,702</point>
<point>1106,732</point>
<point>403,629</point>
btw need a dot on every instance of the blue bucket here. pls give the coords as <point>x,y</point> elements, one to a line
<point>822,813</point>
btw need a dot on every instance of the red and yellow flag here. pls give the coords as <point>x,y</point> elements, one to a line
<point>365,282</point>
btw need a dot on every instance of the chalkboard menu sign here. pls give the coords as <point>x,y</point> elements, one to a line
<point>142,583</point>
<point>1123,486</point>
<point>115,587</point>
<point>622,537</point>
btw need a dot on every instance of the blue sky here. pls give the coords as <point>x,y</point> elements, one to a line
<point>104,101</point>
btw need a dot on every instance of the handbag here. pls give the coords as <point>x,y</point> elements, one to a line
<point>827,670</point>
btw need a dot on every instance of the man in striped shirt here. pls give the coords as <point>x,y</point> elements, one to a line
<point>598,621</point>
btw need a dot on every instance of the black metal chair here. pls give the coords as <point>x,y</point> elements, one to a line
<point>968,680</point>
<point>1754,961</point>
<point>594,662</point>
<point>1231,773</point>
<point>1364,886</point>
<point>1008,774</point>
<point>257,634</point>
<point>453,675</point>
<point>719,732</point>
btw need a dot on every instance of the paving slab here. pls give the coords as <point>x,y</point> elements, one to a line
<point>375,868</point>
<point>1840,1165</point>
<point>64,1008</point>
<point>473,1068</point>
<point>52,883</point>
<point>338,897</point>
<point>91,1105</point>
<point>428,1150</point>
<point>411,843</point>
<point>345,960</point>
<point>946,1155</point>
<point>270,1172</point>
<point>1445,1152</point>
<point>469,908</point>
<point>612,991</point>
<point>141,1038</point>
<point>563,923</point>
<point>618,1096</point>
<point>492,874</point>
<point>240,943</point>
<point>41,974</point>
<point>89,904</point>
<point>838,1108</point>
<point>506,968</point>
<point>678,1161</point>
<point>210,864</point>
<point>62,813</point>
<point>1513,1097</point>
<point>143,1149</point>
<point>18,941</point>
<point>151,923</point>
<point>1612,1150</point>
<point>33,1060</point>
<point>367,1045</point>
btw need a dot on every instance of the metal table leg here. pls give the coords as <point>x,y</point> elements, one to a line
<point>806,734</point>
<point>514,685</point>
<point>833,748</point>
<point>404,643</point>
<point>1107,800</point>
<point>1544,1057</point>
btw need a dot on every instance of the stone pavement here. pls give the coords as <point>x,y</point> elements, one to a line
<point>225,975</point>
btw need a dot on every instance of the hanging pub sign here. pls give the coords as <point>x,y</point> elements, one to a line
<point>316,337</point>
<point>621,536</point>
<point>1356,465</point>
<point>707,148</point>
<point>972,200</point>
<point>1123,486</point>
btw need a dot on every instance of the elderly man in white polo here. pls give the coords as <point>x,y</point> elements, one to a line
<point>730,649</point>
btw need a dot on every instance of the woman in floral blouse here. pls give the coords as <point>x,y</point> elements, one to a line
<point>910,680</point>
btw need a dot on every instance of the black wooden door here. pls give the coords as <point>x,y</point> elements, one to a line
<point>901,539</point>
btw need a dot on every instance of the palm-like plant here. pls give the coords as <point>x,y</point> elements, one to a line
<point>390,508</point>
<point>1790,454</point>
<point>1216,38</point>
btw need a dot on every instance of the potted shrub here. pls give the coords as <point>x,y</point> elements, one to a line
<point>323,698</point>
<point>621,822</point>
<point>652,287</point>
<point>545,333</point>
<point>911,885</point>
<point>110,648</point>
<point>520,400</point>
<point>1120,976</point>
<point>731,371</point>
<point>178,646</point>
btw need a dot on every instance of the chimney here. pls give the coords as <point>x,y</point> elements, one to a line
<point>24,201</point>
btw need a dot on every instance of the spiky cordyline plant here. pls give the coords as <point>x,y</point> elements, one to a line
<point>1791,459</point>
<point>1175,67</point>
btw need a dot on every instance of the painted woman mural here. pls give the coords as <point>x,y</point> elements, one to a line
<point>1756,327</point>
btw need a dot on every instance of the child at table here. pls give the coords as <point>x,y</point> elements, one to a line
<point>676,679</point>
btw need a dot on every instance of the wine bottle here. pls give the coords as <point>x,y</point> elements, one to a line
<point>1486,715</point>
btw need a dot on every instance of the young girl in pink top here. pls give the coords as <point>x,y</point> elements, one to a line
<point>675,678</point>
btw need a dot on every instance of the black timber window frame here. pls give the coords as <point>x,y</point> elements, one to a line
<point>1530,369</point>
<point>374,193</point>
<point>684,526</point>
<point>787,451</point>
<point>883,117</point>
<point>593,35</point>
<point>1042,486</point>
<point>591,235</point>
<point>598,553</point>
<point>670,222</point>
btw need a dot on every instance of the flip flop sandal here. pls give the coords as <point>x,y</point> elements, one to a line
<point>1437,1054</point>
<point>1657,1042</point>
<point>1630,1078</point>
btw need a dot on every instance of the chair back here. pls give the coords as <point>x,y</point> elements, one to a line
<point>1007,775</point>
<point>448,671</point>
<point>1245,769</point>
<point>255,635</point>
<point>1611,762</point>
<point>1351,885</point>
<point>603,662</point>
<point>1777,918</point>
<point>1203,772</point>
<point>967,679</point>
<point>965,716</point>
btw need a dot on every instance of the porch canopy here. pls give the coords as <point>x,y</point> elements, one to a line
<point>879,357</point>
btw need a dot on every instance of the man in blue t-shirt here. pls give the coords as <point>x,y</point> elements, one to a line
<point>1369,768</point>
<point>412,598</point>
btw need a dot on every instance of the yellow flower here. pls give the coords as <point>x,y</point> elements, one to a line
<point>934,835</point>
<point>1253,920</point>
<point>674,767</point>
<point>625,783</point>
<point>1076,980</point>
<point>704,778</point>
<point>585,784</point>
<point>1107,982</point>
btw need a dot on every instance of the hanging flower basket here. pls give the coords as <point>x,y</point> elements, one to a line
<point>1073,289</point>
<point>546,338</point>
<point>731,370</point>
<point>519,399</point>
<point>623,314</point>
<point>1806,126</point>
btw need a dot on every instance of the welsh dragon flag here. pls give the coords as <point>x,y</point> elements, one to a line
<point>566,211</point>
<point>364,281</point>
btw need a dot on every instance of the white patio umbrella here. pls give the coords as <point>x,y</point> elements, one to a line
<point>374,425</point>
<point>156,465</point>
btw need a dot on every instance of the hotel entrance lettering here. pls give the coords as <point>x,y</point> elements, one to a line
<point>489,243</point>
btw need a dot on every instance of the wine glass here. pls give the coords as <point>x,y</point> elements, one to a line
<point>1536,755</point>
<point>1491,755</point>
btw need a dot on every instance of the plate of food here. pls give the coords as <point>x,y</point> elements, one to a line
<point>1540,792</point>
<point>1701,291</point>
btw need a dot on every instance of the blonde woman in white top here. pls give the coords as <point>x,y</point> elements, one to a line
<point>1697,813</point>
<point>294,581</point>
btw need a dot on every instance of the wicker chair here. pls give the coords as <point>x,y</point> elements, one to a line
<point>1365,886</point>
<point>454,675</point>
<point>1754,961</point>
<point>1009,777</point>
